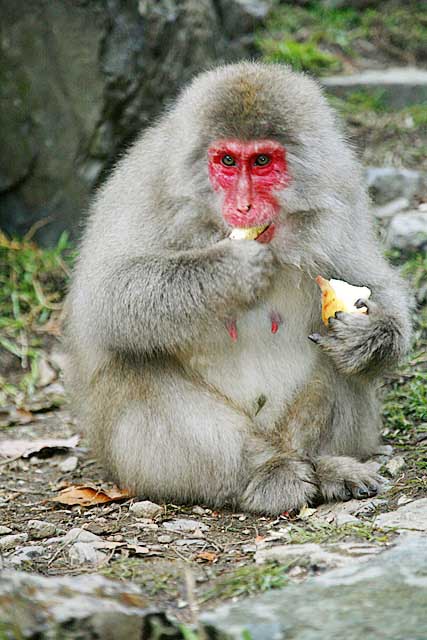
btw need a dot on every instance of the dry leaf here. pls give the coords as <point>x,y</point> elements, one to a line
<point>207,556</point>
<point>136,548</point>
<point>87,496</point>
<point>25,448</point>
<point>306,512</point>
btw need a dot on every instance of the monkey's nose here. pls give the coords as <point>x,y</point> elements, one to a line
<point>244,209</point>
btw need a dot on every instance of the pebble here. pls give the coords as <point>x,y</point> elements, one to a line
<point>4,530</point>
<point>199,511</point>
<point>69,464</point>
<point>40,529</point>
<point>85,553</point>
<point>146,509</point>
<point>345,518</point>
<point>165,539</point>
<point>182,524</point>
<point>9,542</point>
<point>79,535</point>
<point>395,466</point>
<point>24,555</point>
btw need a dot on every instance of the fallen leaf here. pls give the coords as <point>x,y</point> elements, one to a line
<point>306,512</point>
<point>136,548</point>
<point>87,495</point>
<point>26,448</point>
<point>207,556</point>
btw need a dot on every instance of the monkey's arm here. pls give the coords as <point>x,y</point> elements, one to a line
<point>164,301</point>
<point>368,343</point>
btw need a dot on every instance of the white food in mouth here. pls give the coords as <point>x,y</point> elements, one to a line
<point>349,294</point>
<point>248,233</point>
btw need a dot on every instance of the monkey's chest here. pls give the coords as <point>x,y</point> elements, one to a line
<point>260,359</point>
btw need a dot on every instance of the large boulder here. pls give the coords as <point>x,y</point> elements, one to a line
<point>79,79</point>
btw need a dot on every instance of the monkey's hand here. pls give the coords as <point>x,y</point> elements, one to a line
<point>362,343</point>
<point>252,266</point>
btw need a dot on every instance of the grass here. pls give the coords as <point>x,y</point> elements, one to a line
<point>32,286</point>
<point>320,40</point>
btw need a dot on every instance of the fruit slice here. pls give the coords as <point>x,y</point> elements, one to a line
<point>250,233</point>
<point>338,295</point>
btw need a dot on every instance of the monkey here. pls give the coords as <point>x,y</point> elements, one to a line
<point>198,364</point>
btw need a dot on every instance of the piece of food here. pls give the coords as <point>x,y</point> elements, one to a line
<point>250,233</point>
<point>338,295</point>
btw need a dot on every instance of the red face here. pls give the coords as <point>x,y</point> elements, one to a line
<point>248,174</point>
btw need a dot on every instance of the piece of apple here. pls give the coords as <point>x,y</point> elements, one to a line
<point>248,233</point>
<point>338,295</point>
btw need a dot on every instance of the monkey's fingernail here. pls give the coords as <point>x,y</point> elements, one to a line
<point>359,304</point>
<point>315,337</point>
<point>338,315</point>
<point>362,493</point>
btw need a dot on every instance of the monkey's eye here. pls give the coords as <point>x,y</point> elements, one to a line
<point>262,160</point>
<point>228,161</point>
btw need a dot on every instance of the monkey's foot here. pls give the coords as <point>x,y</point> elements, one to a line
<point>343,478</point>
<point>280,485</point>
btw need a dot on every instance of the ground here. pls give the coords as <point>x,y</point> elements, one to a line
<point>213,560</point>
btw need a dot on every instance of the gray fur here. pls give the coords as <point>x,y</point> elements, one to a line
<point>170,403</point>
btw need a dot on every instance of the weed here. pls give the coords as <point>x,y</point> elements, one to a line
<point>32,285</point>
<point>301,56</point>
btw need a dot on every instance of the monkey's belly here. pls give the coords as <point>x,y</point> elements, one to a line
<point>261,371</point>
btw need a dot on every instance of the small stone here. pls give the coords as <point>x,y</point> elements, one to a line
<point>9,542</point>
<point>345,518</point>
<point>404,500</point>
<point>80,535</point>
<point>146,509</point>
<point>199,511</point>
<point>195,542</point>
<point>46,374</point>
<point>4,530</point>
<point>25,555</point>
<point>183,525</point>
<point>391,208</point>
<point>395,466</point>
<point>40,529</point>
<point>165,539</point>
<point>249,548</point>
<point>388,183</point>
<point>85,553</point>
<point>69,464</point>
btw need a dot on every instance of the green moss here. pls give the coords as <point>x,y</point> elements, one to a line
<point>301,56</point>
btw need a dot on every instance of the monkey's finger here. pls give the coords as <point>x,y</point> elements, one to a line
<point>315,337</point>
<point>361,303</point>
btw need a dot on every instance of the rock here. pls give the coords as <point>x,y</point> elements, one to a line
<point>80,535</point>
<point>412,516</point>
<point>69,136</point>
<point>319,556</point>
<point>164,539</point>
<point>400,86</point>
<point>11,541</point>
<point>146,509</point>
<point>25,555</point>
<point>85,553</point>
<point>395,466</point>
<point>69,464</point>
<point>38,529</point>
<point>84,606</point>
<point>4,530</point>
<point>383,596</point>
<point>391,208</point>
<point>183,525</point>
<point>199,511</point>
<point>46,373</point>
<point>345,518</point>
<point>387,184</point>
<point>329,512</point>
<point>408,231</point>
<point>404,500</point>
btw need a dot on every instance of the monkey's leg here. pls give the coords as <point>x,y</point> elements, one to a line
<point>174,439</point>
<point>342,478</point>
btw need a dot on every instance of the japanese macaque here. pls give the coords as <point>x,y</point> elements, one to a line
<point>199,363</point>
